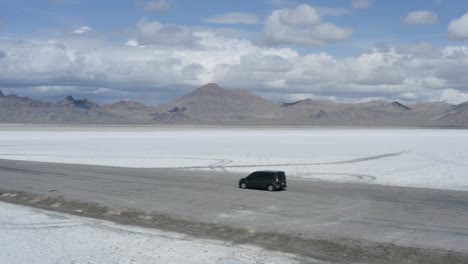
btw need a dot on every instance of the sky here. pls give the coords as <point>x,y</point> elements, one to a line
<point>154,51</point>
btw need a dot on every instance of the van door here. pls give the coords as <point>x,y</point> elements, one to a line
<point>256,180</point>
<point>263,180</point>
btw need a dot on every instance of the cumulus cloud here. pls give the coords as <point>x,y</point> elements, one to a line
<point>458,28</point>
<point>361,4</point>
<point>82,30</point>
<point>155,33</point>
<point>419,50</point>
<point>411,72</point>
<point>155,5</point>
<point>452,96</point>
<point>421,17</point>
<point>268,63</point>
<point>302,15</point>
<point>301,26</point>
<point>455,52</point>
<point>132,43</point>
<point>233,18</point>
<point>192,71</point>
<point>394,74</point>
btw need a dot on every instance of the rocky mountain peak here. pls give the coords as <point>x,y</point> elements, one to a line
<point>322,114</point>
<point>310,102</point>
<point>69,99</point>
<point>400,106</point>
<point>84,103</point>
<point>208,89</point>
<point>211,86</point>
<point>213,91</point>
<point>212,102</point>
<point>462,106</point>
<point>304,101</point>
<point>17,98</point>
<point>458,115</point>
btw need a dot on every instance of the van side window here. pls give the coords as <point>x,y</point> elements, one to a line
<point>258,176</point>
<point>254,176</point>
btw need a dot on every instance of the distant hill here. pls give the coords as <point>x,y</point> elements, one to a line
<point>126,106</point>
<point>214,105</point>
<point>16,109</point>
<point>131,111</point>
<point>458,116</point>
<point>372,113</point>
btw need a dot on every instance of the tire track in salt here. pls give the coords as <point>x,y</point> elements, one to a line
<point>369,158</point>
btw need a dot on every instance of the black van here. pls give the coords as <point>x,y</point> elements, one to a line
<point>270,180</point>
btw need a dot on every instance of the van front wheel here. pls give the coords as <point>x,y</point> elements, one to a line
<point>270,188</point>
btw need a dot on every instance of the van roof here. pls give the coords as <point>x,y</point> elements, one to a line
<point>269,171</point>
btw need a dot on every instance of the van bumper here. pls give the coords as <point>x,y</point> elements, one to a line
<point>281,185</point>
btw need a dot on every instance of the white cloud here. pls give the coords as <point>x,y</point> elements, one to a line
<point>419,50</point>
<point>233,18</point>
<point>301,26</point>
<point>155,33</point>
<point>132,43</point>
<point>452,96</point>
<point>82,30</point>
<point>458,28</point>
<point>154,5</point>
<point>455,52</point>
<point>267,63</point>
<point>409,72</point>
<point>361,4</point>
<point>421,17</point>
<point>191,71</point>
<point>302,15</point>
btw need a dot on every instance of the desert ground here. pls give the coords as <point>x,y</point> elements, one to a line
<point>428,158</point>
<point>354,195</point>
<point>64,238</point>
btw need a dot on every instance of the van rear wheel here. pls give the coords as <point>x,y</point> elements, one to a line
<point>243,186</point>
<point>270,188</point>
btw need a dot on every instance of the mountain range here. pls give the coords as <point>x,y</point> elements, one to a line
<point>214,105</point>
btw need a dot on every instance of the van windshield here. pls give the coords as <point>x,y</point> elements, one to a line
<point>281,176</point>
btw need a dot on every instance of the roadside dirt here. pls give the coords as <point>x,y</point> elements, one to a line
<point>333,251</point>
